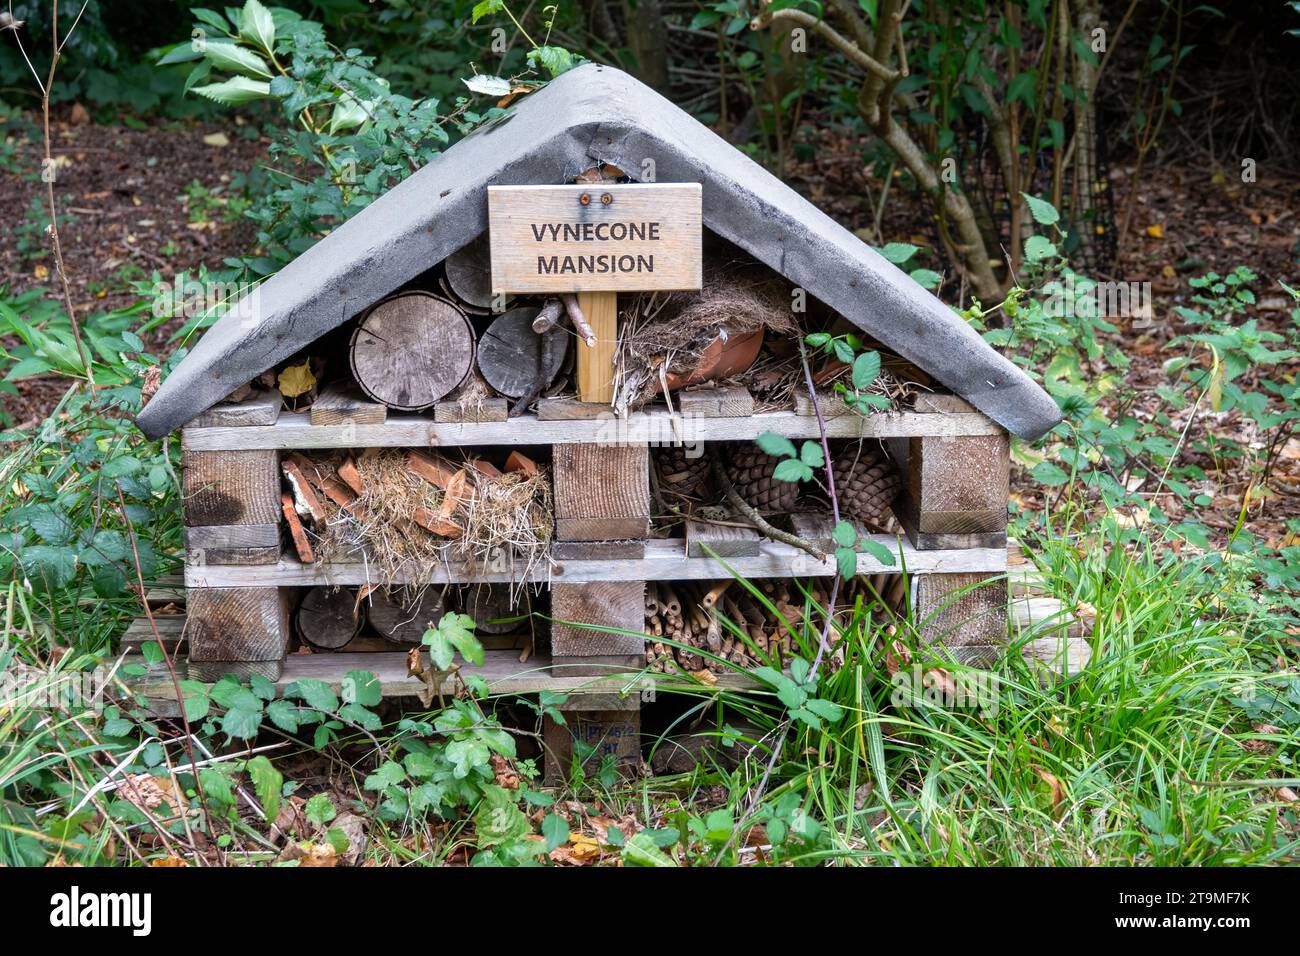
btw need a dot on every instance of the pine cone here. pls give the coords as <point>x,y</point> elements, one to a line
<point>866,483</point>
<point>751,472</point>
<point>681,475</point>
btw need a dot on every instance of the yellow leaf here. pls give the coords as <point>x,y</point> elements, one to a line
<point>1156,232</point>
<point>216,139</point>
<point>41,272</point>
<point>296,380</point>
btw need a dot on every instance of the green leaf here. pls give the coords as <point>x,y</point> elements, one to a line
<point>362,687</point>
<point>866,367</point>
<point>898,252</point>
<point>317,694</point>
<point>257,26</point>
<point>284,714</point>
<point>320,809</point>
<point>826,709</point>
<point>1049,474</point>
<point>846,559</point>
<point>485,8</point>
<point>877,551</point>
<point>180,53</point>
<point>778,446</point>
<point>267,781</point>
<point>845,534</point>
<point>152,653</point>
<point>926,278</point>
<point>497,820</point>
<point>810,453</point>
<point>792,470</point>
<point>1038,248</point>
<point>555,829</point>
<point>242,723</point>
<point>555,59</point>
<point>261,687</point>
<point>1044,212</point>
<point>235,91</point>
<point>236,59</point>
<point>487,85</point>
<point>641,851</point>
<point>388,774</point>
<point>197,702</point>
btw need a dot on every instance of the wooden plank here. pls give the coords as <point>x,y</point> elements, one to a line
<point>260,408</point>
<point>596,363</point>
<point>832,406</point>
<point>233,544</point>
<point>582,651</point>
<point>337,405</point>
<point>483,410</point>
<point>601,492</point>
<point>231,487</point>
<point>598,550</point>
<point>212,671</point>
<point>171,630</point>
<point>722,540</point>
<point>501,669</point>
<point>665,560</point>
<point>732,401</point>
<point>598,237</point>
<point>967,613</point>
<point>598,424</point>
<point>609,733</point>
<point>238,624</point>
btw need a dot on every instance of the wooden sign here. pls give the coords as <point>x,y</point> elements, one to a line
<point>595,238</point>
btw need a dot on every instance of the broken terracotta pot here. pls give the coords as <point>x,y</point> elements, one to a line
<point>727,355</point>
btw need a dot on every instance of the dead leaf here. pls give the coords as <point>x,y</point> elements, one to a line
<point>1058,790</point>
<point>505,773</point>
<point>1156,232</point>
<point>169,861</point>
<point>219,140</point>
<point>296,380</point>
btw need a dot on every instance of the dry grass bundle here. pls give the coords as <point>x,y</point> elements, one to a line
<point>668,332</point>
<point>408,526</point>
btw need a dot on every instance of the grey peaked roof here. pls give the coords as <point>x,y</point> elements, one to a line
<point>588,115</point>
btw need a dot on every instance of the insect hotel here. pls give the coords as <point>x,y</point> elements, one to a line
<point>526,385</point>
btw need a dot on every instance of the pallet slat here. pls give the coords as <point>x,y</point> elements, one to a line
<point>665,560</point>
<point>656,426</point>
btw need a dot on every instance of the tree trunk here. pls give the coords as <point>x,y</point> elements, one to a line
<point>329,617</point>
<point>411,350</point>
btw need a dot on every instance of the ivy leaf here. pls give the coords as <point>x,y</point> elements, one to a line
<point>792,470</point>
<point>555,830</point>
<point>778,446</point>
<point>1044,212</point>
<point>235,91</point>
<point>865,369</point>
<point>267,781</point>
<point>257,26</point>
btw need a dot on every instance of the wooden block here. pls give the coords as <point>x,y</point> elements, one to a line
<point>633,549</point>
<point>716,402</point>
<point>832,406</point>
<point>338,405</point>
<point>231,487</point>
<point>610,733</point>
<point>585,652</point>
<point>956,488</point>
<point>232,544</point>
<point>237,624</point>
<point>596,365</point>
<point>967,613</point>
<point>483,410</point>
<point>601,492</point>
<point>261,408</point>
<point>565,408</point>
<point>722,540</point>
<point>817,527</point>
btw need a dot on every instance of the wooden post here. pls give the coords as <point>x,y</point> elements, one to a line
<point>955,497</point>
<point>596,365</point>
<point>232,509</point>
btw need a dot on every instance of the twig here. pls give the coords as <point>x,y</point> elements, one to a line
<point>745,508</point>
